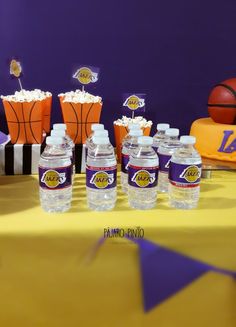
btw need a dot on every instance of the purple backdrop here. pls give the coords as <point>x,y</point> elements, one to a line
<point>172,50</point>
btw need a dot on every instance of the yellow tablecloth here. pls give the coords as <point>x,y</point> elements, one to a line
<point>48,277</point>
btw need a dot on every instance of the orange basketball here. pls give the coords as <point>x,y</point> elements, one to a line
<point>24,120</point>
<point>222,102</point>
<point>79,118</point>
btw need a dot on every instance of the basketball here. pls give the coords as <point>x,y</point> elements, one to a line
<point>222,102</point>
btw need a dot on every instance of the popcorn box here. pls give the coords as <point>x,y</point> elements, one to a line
<point>25,121</point>
<point>47,107</point>
<point>23,159</point>
<point>79,118</point>
<point>120,133</point>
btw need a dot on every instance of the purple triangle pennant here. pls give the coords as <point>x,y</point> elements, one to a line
<point>165,272</point>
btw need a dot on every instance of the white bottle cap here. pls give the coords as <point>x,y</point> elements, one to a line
<point>145,140</point>
<point>136,132</point>
<point>58,132</point>
<point>133,126</point>
<point>97,127</point>
<point>186,139</point>
<point>54,140</point>
<point>172,132</point>
<point>59,126</point>
<point>103,132</point>
<point>163,127</point>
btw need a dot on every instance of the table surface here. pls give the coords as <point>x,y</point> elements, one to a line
<point>44,255</point>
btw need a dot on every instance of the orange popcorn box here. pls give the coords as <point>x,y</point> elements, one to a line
<point>25,121</point>
<point>47,107</point>
<point>79,118</point>
<point>120,133</point>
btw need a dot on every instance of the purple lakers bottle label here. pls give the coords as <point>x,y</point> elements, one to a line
<point>55,178</point>
<point>164,162</point>
<point>124,163</point>
<point>184,175</point>
<point>142,177</point>
<point>101,177</point>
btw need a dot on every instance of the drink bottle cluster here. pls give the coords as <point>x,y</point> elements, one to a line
<point>149,165</point>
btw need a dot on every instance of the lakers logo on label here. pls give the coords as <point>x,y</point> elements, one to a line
<point>134,102</point>
<point>143,178</point>
<point>102,179</point>
<point>85,75</point>
<point>51,178</point>
<point>15,68</point>
<point>191,174</point>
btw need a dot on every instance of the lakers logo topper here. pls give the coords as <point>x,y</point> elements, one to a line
<point>134,103</point>
<point>86,75</point>
<point>16,70</point>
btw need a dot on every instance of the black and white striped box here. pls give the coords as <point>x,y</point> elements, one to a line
<point>23,159</point>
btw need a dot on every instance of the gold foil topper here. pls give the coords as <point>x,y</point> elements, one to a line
<point>15,68</point>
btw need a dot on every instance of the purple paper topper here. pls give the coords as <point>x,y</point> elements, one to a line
<point>86,74</point>
<point>133,103</point>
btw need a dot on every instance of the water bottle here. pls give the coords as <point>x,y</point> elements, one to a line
<point>55,176</point>
<point>165,151</point>
<point>101,175</point>
<point>66,145</point>
<point>142,175</point>
<point>100,133</point>
<point>160,136</point>
<point>184,175</point>
<point>129,144</point>
<point>94,127</point>
<point>68,140</point>
<point>131,126</point>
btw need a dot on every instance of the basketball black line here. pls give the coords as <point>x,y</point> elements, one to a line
<point>222,105</point>
<point>22,108</point>
<point>229,88</point>
<point>17,121</point>
<point>81,109</point>
<point>126,129</point>
<point>86,132</point>
<point>77,131</point>
<point>30,121</point>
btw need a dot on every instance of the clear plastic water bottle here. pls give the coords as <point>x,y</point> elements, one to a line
<point>68,140</point>
<point>101,175</point>
<point>66,145</point>
<point>94,127</point>
<point>184,175</point>
<point>55,176</point>
<point>131,126</point>
<point>165,151</point>
<point>142,175</point>
<point>130,143</point>
<point>160,136</point>
<point>91,145</point>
